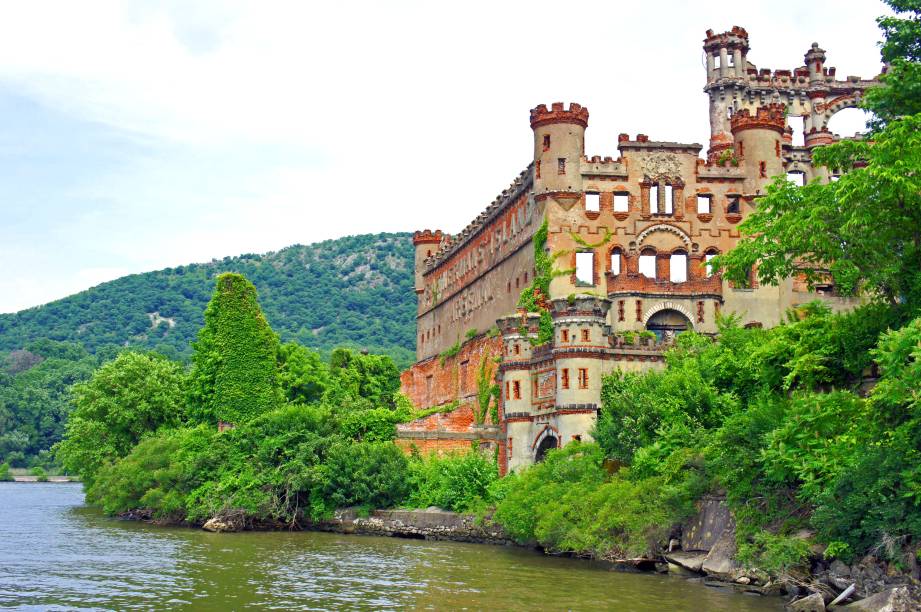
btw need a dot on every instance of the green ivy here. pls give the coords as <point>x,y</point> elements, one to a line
<point>234,372</point>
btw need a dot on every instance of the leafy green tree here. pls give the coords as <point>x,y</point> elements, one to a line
<point>125,400</point>
<point>370,475</point>
<point>862,229</point>
<point>302,374</point>
<point>369,380</point>
<point>234,366</point>
<point>900,94</point>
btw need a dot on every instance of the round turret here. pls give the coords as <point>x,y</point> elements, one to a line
<point>559,145</point>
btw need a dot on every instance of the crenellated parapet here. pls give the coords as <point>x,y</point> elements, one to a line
<point>576,114</point>
<point>768,117</point>
<point>504,200</point>
<point>427,236</point>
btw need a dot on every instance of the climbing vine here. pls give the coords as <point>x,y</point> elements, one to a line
<point>582,242</point>
<point>487,392</point>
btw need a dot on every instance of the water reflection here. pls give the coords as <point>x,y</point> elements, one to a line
<point>57,554</point>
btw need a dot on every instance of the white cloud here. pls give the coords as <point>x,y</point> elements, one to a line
<point>271,123</point>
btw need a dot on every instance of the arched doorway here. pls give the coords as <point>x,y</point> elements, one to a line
<point>545,445</point>
<point>667,324</point>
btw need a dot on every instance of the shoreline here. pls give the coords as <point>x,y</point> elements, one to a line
<point>435,524</point>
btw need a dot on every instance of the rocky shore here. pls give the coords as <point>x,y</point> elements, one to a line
<point>702,549</point>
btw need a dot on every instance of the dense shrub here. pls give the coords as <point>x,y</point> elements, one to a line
<point>459,482</point>
<point>5,475</point>
<point>369,475</point>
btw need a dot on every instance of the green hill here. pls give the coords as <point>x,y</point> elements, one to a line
<point>356,291</point>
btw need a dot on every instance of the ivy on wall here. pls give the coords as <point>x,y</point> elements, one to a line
<point>233,377</point>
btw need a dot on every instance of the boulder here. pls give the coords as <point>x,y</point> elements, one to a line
<point>702,531</point>
<point>810,603</point>
<point>719,561</point>
<point>688,560</point>
<point>897,599</point>
<point>221,524</point>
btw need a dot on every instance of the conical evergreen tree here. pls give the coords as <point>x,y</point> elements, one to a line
<point>233,377</point>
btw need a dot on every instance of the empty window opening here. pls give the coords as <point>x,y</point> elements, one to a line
<point>620,310</point>
<point>734,206</point>
<point>525,278</point>
<point>517,281</point>
<point>615,262</point>
<point>585,267</point>
<point>546,142</point>
<point>585,335</point>
<point>707,257</point>
<point>762,169</point>
<point>583,378</point>
<point>509,287</point>
<point>517,349</point>
<point>564,335</point>
<point>621,202</point>
<point>796,123</point>
<point>537,169</point>
<point>564,378</point>
<point>669,195</point>
<point>797,178</point>
<point>678,267</point>
<point>848,122</point>
<point>653,199</point>
<point>703,204</point>
<point>592,202</point>
<point>507,395</point>
<point>647,265</point>
<point>516,390</point>
<point>561,165</point>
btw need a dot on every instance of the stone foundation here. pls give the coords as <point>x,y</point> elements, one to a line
<point>430,524</point>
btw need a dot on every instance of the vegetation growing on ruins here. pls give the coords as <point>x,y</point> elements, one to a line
<point>779,419</point>
<point>353,292</point>
<point>234,366</point>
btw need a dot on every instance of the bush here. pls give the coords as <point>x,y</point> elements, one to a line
<point>39,473</point>
<point>5,475</point>
<point>458,482</point>
<point>368,475</point>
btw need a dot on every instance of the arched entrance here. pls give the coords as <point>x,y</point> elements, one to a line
<point>546,444</point>
<point>667,323</point>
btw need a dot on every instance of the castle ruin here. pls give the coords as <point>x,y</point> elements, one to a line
<point>624,244</point>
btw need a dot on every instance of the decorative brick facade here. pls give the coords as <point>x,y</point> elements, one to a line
<point>635,262</point>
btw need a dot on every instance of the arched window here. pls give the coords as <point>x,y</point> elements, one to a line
<point>710,254</point>
<point>678,267</point>
<point>616,256</point>
<point>648,263</point>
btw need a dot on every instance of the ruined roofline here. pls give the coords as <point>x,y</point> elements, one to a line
<point>521,184</point>
<point>642,142</point>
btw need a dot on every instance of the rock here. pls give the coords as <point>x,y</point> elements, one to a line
<point>810,603</point>
<point>839,569</point>
<point>218,525</point>
<point>897,599</point>
<point>688,560</point>
<point>702,531</point>
<point>719,561</point>
<point>743,580</point>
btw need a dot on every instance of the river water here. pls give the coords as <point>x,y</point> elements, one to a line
<point>58,554</point>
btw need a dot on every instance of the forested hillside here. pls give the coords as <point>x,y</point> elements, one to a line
<point>356,292</point>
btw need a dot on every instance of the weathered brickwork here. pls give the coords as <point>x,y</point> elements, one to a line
<point>630,236</point>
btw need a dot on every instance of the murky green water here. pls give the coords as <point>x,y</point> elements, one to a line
<point>55,553</point>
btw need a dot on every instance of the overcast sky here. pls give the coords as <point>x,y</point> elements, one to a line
<point>135,137</point>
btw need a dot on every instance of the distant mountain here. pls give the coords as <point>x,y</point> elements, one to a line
<point>356,291</point>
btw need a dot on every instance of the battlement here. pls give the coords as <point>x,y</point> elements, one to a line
<point>508,196</point>
<point>577,114</point>
<point>428,237</point>
<point>769,117</point>
<point>736,37</point>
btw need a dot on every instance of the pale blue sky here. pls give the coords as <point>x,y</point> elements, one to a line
<point>134,138</point>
